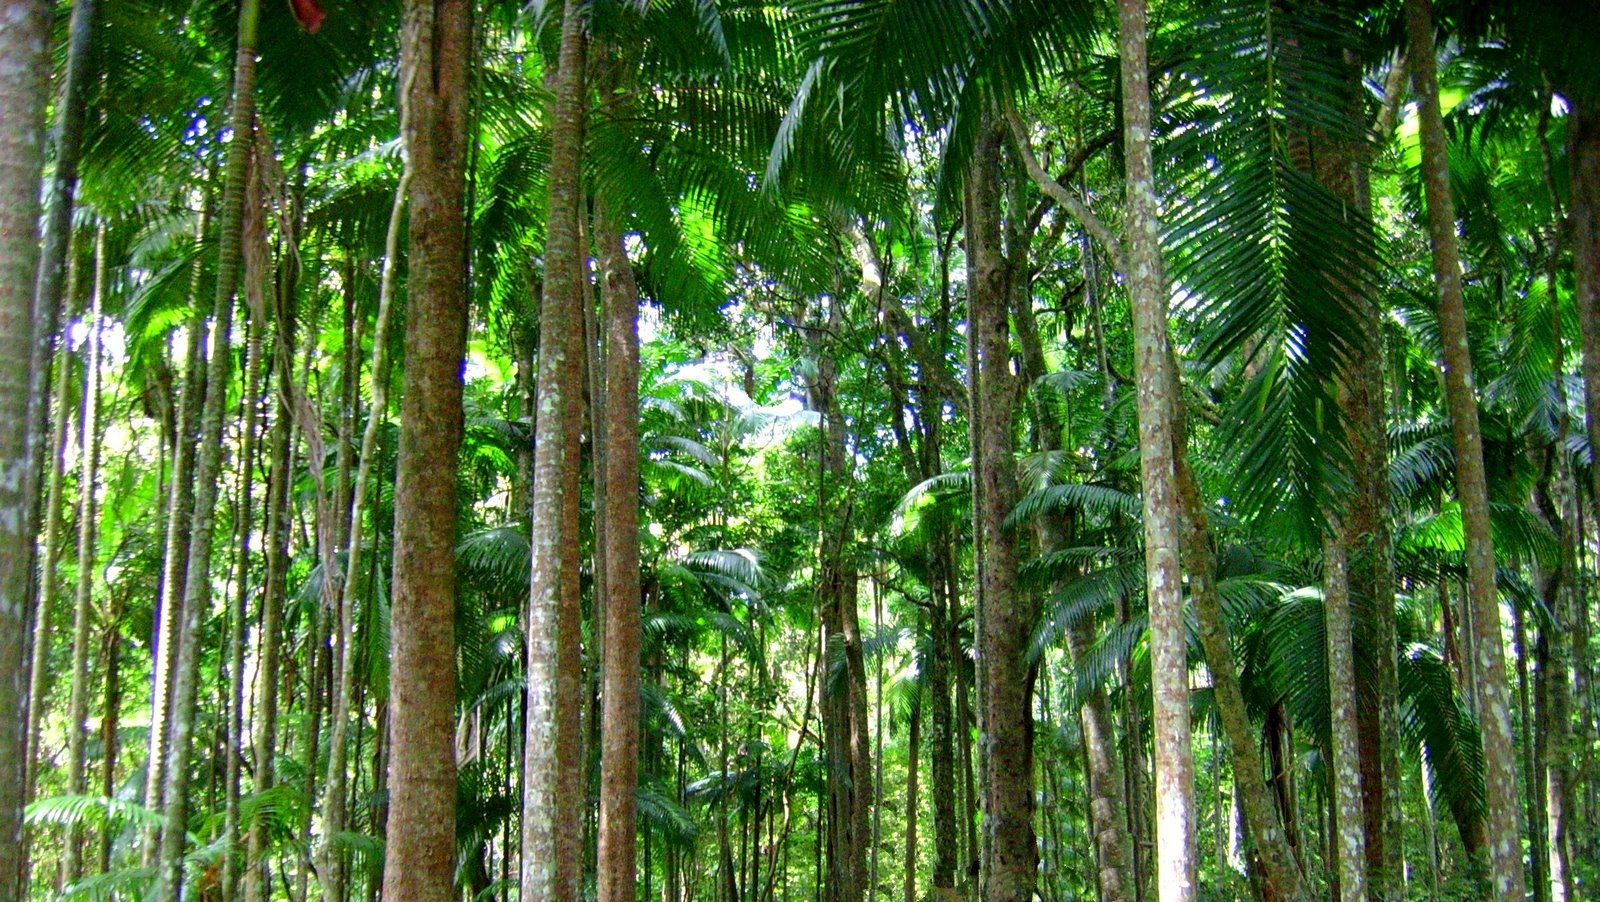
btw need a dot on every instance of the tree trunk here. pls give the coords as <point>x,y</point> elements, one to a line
<point>436,53</point>
<point>1345,760</point>
<point>334,799</point>
<point>619,764</point>
<point>1113,840</point>
<point>913,768</point>
<point>208,465</point>
<point>273,591</point>
<point>1147,290</point>
<point>1004,618</point>
<point>88,474</point>
<point>243,526</point>
<point>49,301</point>
<point>38,676</point>
<point>546,812</point>
<point>175,557</point>
<point>1488,660</point>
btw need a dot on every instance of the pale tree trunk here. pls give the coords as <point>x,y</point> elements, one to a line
<point>334,797</point>
<point>24,72</point>
<point>38,678</point>
<point>547,873</point>
<point>55,273</point>
<point>273,592</point>
<point>175,556</point>
<point>238,626</point>
<point>619,763</point>
<point>1345,761</point>
<point>1488,659</point>
<point>208,464</point>
<point>88,473</point>
<point>1272,862</point>
<point>1004,619</point>
<point>436,56</point>
<point>1147,290</point>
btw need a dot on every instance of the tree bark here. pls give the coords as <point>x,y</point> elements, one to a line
<point>38,683</point>
<point>547,872</point>
<point>619,764</point>
<point>1345,760</point>
<point>208,465</point>
<point>1147,290</point>
<point>436,53</point>
<point>334,798</point>
<point>88,474</point>
<point>1004,615</point>
<point>1488,660</point>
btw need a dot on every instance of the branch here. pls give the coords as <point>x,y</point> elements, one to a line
<point>1061,194</point>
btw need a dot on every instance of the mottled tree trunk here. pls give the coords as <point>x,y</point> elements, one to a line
<point>1004,615</point>
<point>546,812</point>
<point>334,798</point>
<point>436,55</point>
<point>208,464</point>
<point>1147,290</point>
<point>1345,761</point>
<point>50,550</point>
<point>88,474</point>
<point>1488,659</point>
<point>619,763</point>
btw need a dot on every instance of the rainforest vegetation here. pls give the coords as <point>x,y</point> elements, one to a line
<point>824,450</point>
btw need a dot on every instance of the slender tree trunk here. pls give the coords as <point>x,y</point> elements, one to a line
<point>1113,840</point>
<point>1147,290</point>
<point>1345,761</point>
<point>88,474</point>
<point>38,676</point>
<point>175,559</point>
<point>273,590</point>
<point>619,765</point>
<point>436,55</point>
<point>334,796</point>
<point>61,183</point>
<point>1488,660</point>
<point>913,771</point>
<point>545,811</point>
<point>243,525</point>
<point>208,464</point>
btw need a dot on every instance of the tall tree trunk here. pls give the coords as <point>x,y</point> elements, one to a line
<point>1488,660</point>
<point>1147,290</point>
<point>844,709</point>
<point>1345,761</point>
<point>546,813</point>
<point>334,799</point>
<point>1004,618</point>
<point>436,53</point>
<point>619,764</point>
<point>273,591</point>
<point>38,682</point>
<point>175,557</point>
<point>208,463</point>
<point>244,525</point>
<point>49,302</point>
<point>913,772</point>
<point>88,474</point>
<point>1113,840</point>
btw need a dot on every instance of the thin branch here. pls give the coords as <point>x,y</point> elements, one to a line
<point>1061,194</point>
